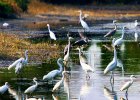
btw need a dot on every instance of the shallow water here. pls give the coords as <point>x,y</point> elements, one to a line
<point>76,86</point>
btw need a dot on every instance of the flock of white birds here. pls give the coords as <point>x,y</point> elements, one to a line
<point>21,62</point>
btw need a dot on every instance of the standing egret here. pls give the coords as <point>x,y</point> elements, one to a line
<point>136,36</point>
<point>4,88</point>
<point>18,64</point>
<point>66,57</point>
<point>54,73</point>
<point>112,32</point>
<point>83,23</point>
<point>52,35</point>
<point>33,87</point>
<point>67,46</point>
<point>113,64</point>
<point>85,66</point>
<point>127,84</point>
<point>5,24</point>
<point>120,40</point>
<point>57,85</point>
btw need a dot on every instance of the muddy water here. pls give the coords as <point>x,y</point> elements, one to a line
<point>76,86</point>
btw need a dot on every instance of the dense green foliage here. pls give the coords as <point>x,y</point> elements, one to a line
<point>5,9</point>
<point>23,4</point>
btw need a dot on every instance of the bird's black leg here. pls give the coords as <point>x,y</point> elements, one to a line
<point>126,94</point>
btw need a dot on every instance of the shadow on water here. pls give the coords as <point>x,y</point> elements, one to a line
<point>76,86</point>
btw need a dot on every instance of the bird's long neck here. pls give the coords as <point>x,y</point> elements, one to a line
<point>60,66</point>
<point>115,26</point>
<point>115,54</point>
<point>36,83</point>
<point>131,79</point>
<point>80,16</point>
<point>26,57</point>
<point>122,33</point>
<point>49,28</point>
<point>68,47</point>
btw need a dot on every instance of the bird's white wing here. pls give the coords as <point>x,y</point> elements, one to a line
<point>87,67</point>
<point>126,85</point>
<point>18,67</point>
<point>3,89</point>
<point>110,67</point>
<point>84,24</point>
<point>57,85</point>
<point>15,63</point>
<point>30,89</point>
<point>50,75</point>
<point>118,42</point>
<point>52,35</point>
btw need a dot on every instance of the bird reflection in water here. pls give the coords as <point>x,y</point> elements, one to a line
<point>110,94</point>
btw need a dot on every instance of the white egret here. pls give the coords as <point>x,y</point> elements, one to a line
<point>54,73</point>
<point>5,24</point>
<point>83,23</point>
<point>112,32</point>
<point>66,57</point>
<point>120,40</point>
<point>18,64</point>
<point>127,84</point>
<point>67,46</point>
<point>136,36</point>
<point>113,64</point>
<point>4,88</point>
<point>52,35</point>
<point>132,25</point>
<point>33,87</point>
<point>57,85</point>
<point>85,66</point>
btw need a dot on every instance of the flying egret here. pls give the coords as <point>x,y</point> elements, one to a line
<point>54,73</point>
<point>57,85</point>
<point>82,41</point>
<point>4,88</point>
<point>18,64</point>
<point>66,57</point>
<point>113,64</point>
<point>112,32</point>
<point>83,23</point>
<point>120,40</point>
<point>5,24</point>
<point>33,87</point>
<point>127,84</point>
<point>85,66</point>
<point>136,36</point>
<point>52,35</point>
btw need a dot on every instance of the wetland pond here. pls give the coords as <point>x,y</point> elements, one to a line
<point>75,86</point>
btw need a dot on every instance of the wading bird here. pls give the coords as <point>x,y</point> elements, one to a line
<point>54,73</point>
<point>127,84</point>
<point>32,88</point>
<point>113,64</point>
<point>66,57</point>
<point>57,85</point>
<point>83,23</point>
<point>136,36</point>
<point>4,88</point>
<point>18,64</point>
<point>5,25</point>
<point>112,32</point>
<point>120,40</point>
<point>85,66</point>
<point>66,47</point>
<point>52,35</point>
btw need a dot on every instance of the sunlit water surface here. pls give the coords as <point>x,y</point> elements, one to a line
<point>76,86</point>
